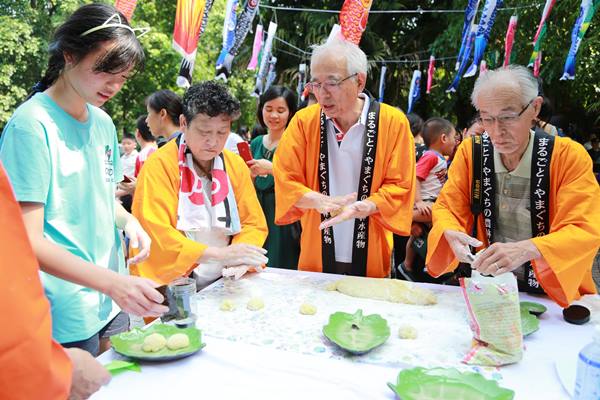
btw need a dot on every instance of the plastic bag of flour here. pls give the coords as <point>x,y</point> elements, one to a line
<point>494,318</point>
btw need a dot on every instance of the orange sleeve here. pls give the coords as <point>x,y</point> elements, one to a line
<point>396,195</point>
<point>289,173</point>
<point>172,254</point>
<point>34,366</point>
<point>452,211</point>
<point>568,251</point>
<point>254,225</point>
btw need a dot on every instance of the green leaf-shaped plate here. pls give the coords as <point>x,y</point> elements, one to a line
<point>130,343</point>
<point>447,383</point>
<point>534,308</point>
<point>356,333</point>
<point>529,322</point>
<point>118,366</point>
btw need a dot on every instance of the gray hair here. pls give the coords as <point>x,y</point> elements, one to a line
<point>356,59</point>
<point>515,77</point>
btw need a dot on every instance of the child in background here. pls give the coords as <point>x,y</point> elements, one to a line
<point>130,153</point>
<point>439,136</point>
<point>129,156</point>
<point>146,141</point>
<point>148,145</point>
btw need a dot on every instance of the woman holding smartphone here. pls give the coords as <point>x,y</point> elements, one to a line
<point>276,108</point>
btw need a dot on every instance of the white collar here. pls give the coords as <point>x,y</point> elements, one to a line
<point>363,115</point>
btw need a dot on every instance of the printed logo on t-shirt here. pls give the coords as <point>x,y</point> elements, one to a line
<point>109,169</point>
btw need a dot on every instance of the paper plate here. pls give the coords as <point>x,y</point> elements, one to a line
<point>534,308</point>
<point>130,343</point>
<point>356,333</point>
<point>529,322</point>
<point>447,383</point>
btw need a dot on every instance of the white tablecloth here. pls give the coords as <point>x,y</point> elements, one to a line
<point>227,369</point>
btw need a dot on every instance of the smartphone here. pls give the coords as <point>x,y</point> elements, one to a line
<point>244,149</point>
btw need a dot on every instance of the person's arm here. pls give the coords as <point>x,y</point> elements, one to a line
<point>568,251</point>
<point>246,246</point>
<point>88,374</point>
<point>138,238</point>
<point>132,294</point>
<point>254,225</point>
<point>289,174</point>
<point>395,197</point>
<point>422,210</point>
<point>260,167</point>
<point>448,240</point>
<point>173,255</point>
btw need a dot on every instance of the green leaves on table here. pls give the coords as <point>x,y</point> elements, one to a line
<point>117,366</point>
<point>356,333</point>
<point>447,383</point>
<point>529,312</point>
<point>130,343</point>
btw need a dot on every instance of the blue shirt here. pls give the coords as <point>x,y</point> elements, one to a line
<point>71,167</point>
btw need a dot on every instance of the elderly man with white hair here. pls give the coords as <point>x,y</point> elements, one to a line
<point>530,199</point>
<point>345,167</point>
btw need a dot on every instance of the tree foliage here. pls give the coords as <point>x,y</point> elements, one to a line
<point>27,26</point>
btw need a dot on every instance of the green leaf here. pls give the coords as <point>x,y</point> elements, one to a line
<point>356,333</point>
<point>534,308</point>
<point>529,322</point>
<point>118,366</point>
<point>447,383</point>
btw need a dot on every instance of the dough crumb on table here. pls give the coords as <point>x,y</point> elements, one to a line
<point>308,309</point>
<point>227,305</point>
<point>407,332</point>
<point>255,304</point>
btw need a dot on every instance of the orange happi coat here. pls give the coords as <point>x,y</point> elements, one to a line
<point>172,254</point>
<point>34,366</point>
<point>295,168</point>
<point>568,251</point>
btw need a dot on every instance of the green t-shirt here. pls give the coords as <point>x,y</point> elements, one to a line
<point>72,168</point>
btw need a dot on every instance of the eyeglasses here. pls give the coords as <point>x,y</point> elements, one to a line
<point>504,119</point>
<point>329,84</point>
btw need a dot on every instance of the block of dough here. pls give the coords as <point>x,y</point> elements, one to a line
<point>227,305</point>
<point>255,304</point>
<point>407,332</point>
<point>178,341</point>
<point>392,290</point>
<point>308,309</point>
<point>154,342</point>
<point>331,286</point>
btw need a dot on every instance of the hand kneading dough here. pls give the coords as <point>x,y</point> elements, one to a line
<point>178,341</point>
<point>392,290</point>
<point>407,332</point>
<point>308,309</point>
<point>227,305</point>
<point>154,342</point>
<point>255,304</point>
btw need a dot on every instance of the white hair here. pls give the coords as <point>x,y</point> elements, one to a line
<point>356,59</point>
<point>513,77</point>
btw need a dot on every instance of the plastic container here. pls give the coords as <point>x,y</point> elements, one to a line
<point>587,383</point>
<point>183,290</point>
